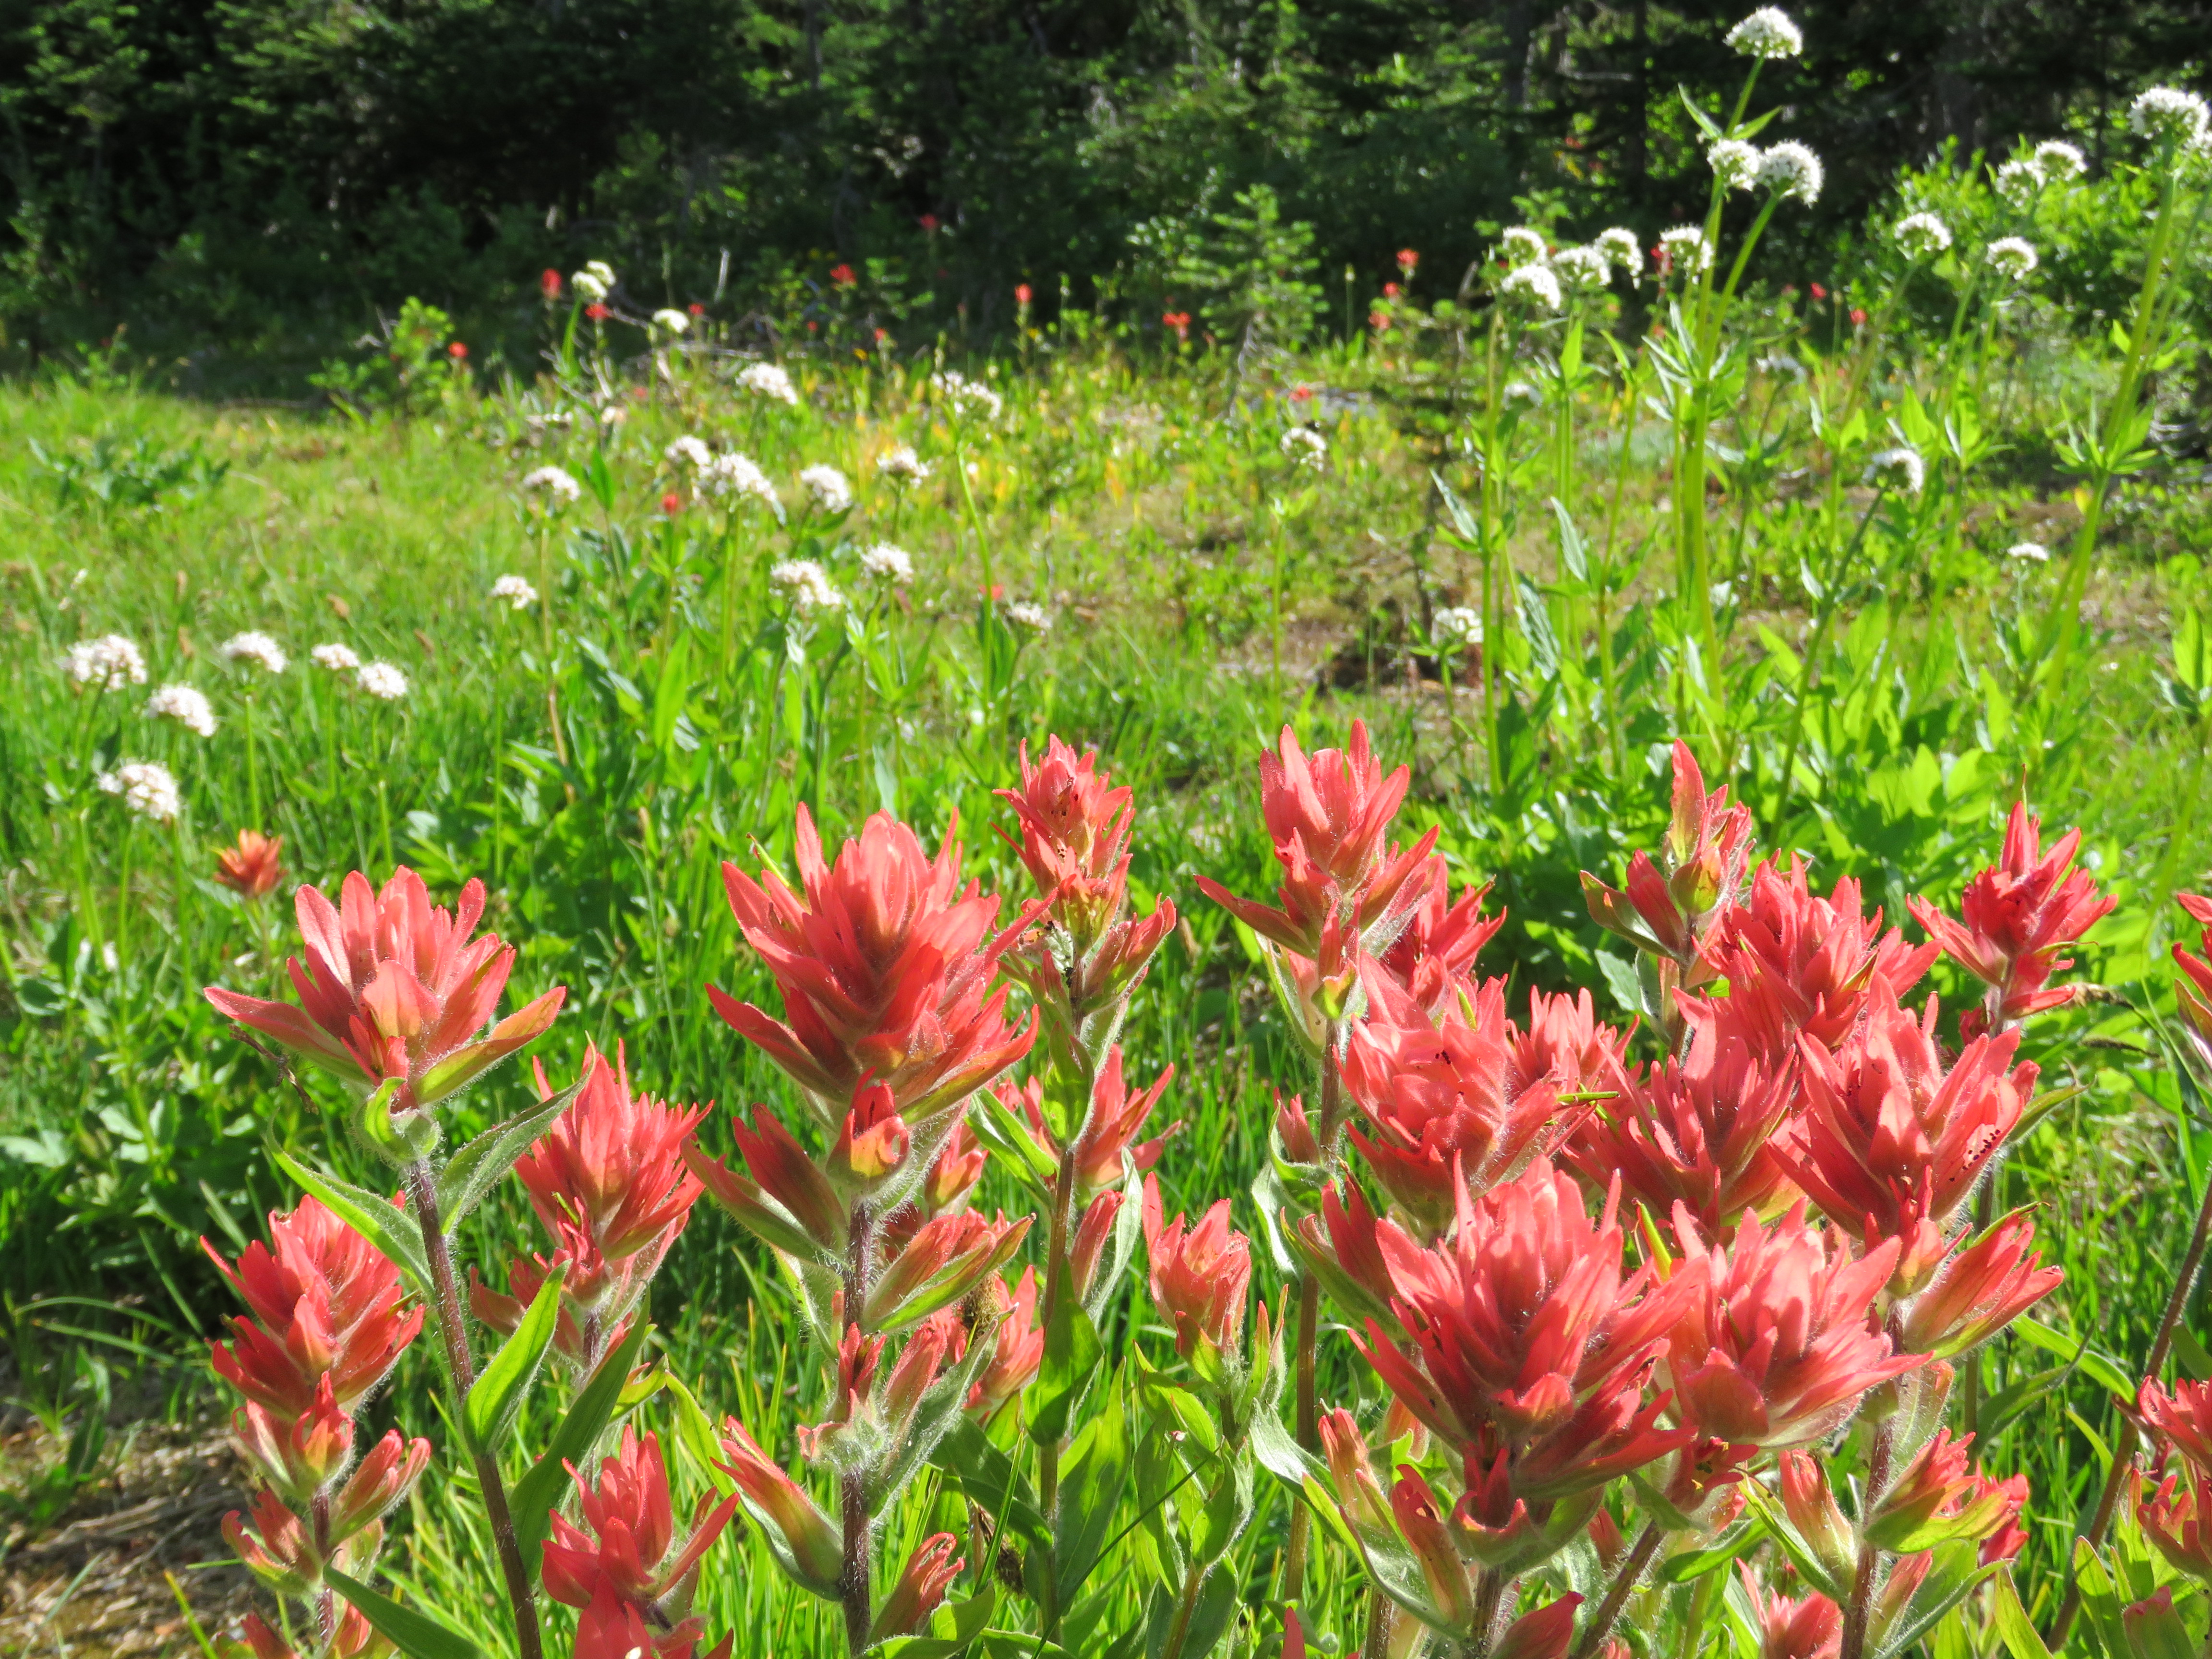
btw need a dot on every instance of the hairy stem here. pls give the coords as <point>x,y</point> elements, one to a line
<point>1185,1606</point>
<point>1382,1620</point>
<point>460,1372</point>
<point>1328,1131</point>
<point>855,1520</point>
<point>1617,1594</point>
<point>1860,1606</point>
<point>1489,1600</point>
<point>1055,1286</point>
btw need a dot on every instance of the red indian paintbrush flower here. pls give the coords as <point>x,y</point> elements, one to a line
<point>1893,1143</point>
<point>806,1536</point>
<point>946,1258</point>
<point>920,1591</point>
<point>254,866</point>
<point>393,988</point>
<point>627,1542</point>
<point>1441,939</point>
<point>1778,1339</point>
<point>1810,1503</point>
<point>612,1628</point>
<point>1810,1628</point>
<point>1797,963</point>
<point>355,1638</point>
<point>1110,1128</point>
<point>1328,815</point>
<point>328,1304</point>
<point>2183,1418</point>
<point>886,966</point>
<point>2019,915</point>
<point>1199,1273</point>
<point>613,1163</point>
<point>1075,837</point>
<point>1668,907</point>
<point>1018,1347</point>
<point>2174,1517</point>
<point>1526,1352</point>
<point>2193,990</point>
<point>1981,1288</point>
<point>1445,1105</point>
<point>1569,1044</point>
<point>1939,1499</point>
<point>1700,1131</point>
<point>297,1455</point>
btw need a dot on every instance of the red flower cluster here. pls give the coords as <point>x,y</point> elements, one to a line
<point>2193,990</point>
<point>254,866</point>
<point>1200,1274</point>
<point>624,1567</point>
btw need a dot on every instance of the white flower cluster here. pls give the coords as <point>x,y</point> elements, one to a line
<point>829,488</point>
<point>383,681</point>
<point>2013,257</point>
<point>2029,552</point>
<point>671,322</point>
<point>1767,33</point>
<point>888,562</point>
<point>1686,250</point>
<point>1900,469</point>
<point>105,663</point>
<point>1921,235</point>
<point>2058,161</point>
<point>1534,283</point>
<point>187,705</point>
<point>1304,447</point>
<point>1619,244</point>
<point>1520,395</point>
<point>769,381</point>
<point>148,788</point>
<point>339,659</point>
<point>733,474</point>
<point>1459,625</point>
<point>257,649</point>
<point>687,450</point>
<point>554,483</point>
<point>516,591</point>
<point>1583,270</point>
<point>807,586</point>
<point>2167,115</point>
<point>900,463</point>
<point>967,398</point>
<point>2019,181</point>
<point>594,281</point>
<point>1735,163</point>
<point>1524,245</point>
<point>1782,366</point>
<point>1028,617</point>
<point>1792,169</point>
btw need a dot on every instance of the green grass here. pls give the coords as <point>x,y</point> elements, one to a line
<point>1133,499</point>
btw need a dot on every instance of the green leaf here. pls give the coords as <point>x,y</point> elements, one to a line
<point>535,1495</point>
<point>1956,1574</point>
<point>1705,124</point>
<point>941,1410</point>
<point>1739,1539</point>
<point>1072,1353</point>
<point>495,1399</point>
<point>383,1224</point>
<point>988,1477</point>
<point>1574,551</point>
<point>1121,1249</point>
<point>1092,1478</point>
<point>417,1634</point>
<point>2011,1621</point>
<point>477,1167</point>
<point>2192,652</point>
<point>1005,1131</point>
<point>2102,1367</point>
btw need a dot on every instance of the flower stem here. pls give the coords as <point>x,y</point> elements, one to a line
<point>1186,1608</point>
<point>460,1373</point>
<point>852,1580</point>
<point>1489,1597</point>
<point>1617,1594</point>
<point>1326,1133</point>
<point>1860,1606</point>
<point>1055,1286</point>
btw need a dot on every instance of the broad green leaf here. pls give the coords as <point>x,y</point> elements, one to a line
<point>383,1224</point>
<point>416,1633</point>
<point>495,1399</point>
<point>2105,1370</point>
<point>988,1477</point>
<point>2011,1622</point>
<point>1739,1539</point>
<point>1121,1249</point>
<point>1092,1478</point>
<point>535,1496</point>
<point>478,1167</point>
<point>1072,1353</point>
<point>938,1413</point>
<point>1955,1575</point>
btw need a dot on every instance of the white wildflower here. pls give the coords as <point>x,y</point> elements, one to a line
<point>967,398</point>
<point>187,705</point>
<point>769,381</point>
<point>383,681</point>
<point>2059,161</point>
<point>516,591</point>
<point>1922,235</point>
<point>554,483</point>
<point>2169,115</point>
<point>1767,33</point>
<point>148,788</point>
<point>1302,446</point>
<point>257,649</point>
<point>1792,169</point>
<point>1459,625</point>
<point>902,465</point>
<point>105,663</point>
<point>807,586</point>
<point>1900,469</point>
<point>671,322</point>
<point>613,414</point>
<point>2029,552</point>
<point>733,474</point>
<point>2019,182</point>
<point>339,659</point>
<point>1782,366</point>
<point>1735,163</point>
<point>1028,617</point>
<point>888,562</point>
<point>1520,395</point>
<point>594,282</point>
<point>1619,244</point>
<point>2012,258</point>
<point>1686,250</point>
<point>827,485</point>
<point>1582,269</point>
<point>1524,245</point>
<point>687,450</point>
<point>1534,283</point>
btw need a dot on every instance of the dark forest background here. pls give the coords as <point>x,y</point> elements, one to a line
<point>255,179</point>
